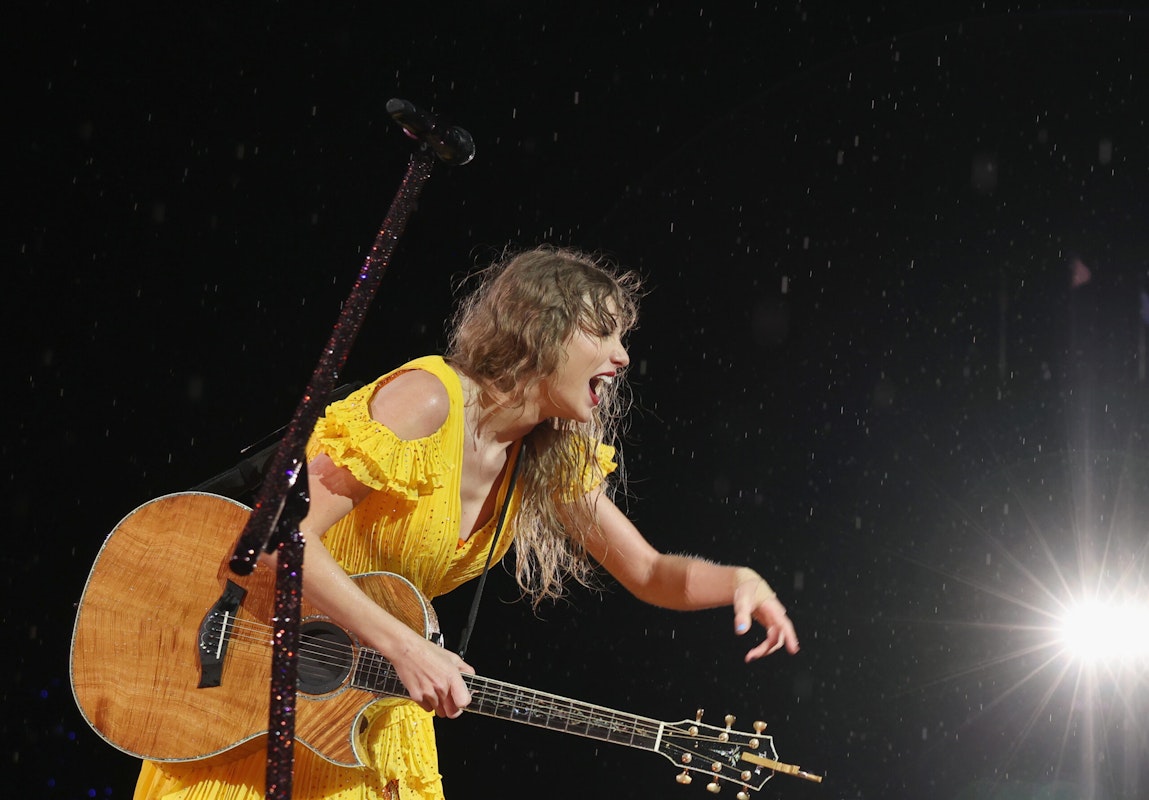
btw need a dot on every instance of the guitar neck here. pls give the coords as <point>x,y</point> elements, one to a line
<point>507,701</point>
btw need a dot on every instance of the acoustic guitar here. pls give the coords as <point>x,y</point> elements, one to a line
<point>171,658</point>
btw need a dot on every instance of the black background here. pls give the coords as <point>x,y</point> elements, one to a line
<point>861,366</point>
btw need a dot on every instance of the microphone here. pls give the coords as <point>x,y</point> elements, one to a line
<point>453,145</point>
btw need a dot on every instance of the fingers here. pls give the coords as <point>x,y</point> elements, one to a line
<point>456,699</point>
<point>433,678</point>
<point>779,630</point>
<point>790,637</point>
<point>447,698</point>
<point>753,597</point>
<point>743,610</point>
<point>774,640</point>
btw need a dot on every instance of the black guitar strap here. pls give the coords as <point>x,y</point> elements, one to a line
<point>466,637</point>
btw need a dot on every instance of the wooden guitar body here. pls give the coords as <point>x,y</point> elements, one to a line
<point>137,648</point>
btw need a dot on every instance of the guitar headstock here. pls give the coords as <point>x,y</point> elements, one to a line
<point>724,755</point>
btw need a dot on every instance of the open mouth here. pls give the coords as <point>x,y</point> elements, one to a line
<point>599,384</point>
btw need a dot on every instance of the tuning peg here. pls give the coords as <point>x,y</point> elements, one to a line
<point>725,735</point>
<point>693,729</point>
<point>743,795</point>
<point>759,726</point>
<point>714,787</point>
<point>684,778</point>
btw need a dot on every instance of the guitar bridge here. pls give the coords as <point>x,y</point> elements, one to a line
<point>215,632</point>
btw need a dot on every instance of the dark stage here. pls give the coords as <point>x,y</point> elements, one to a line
<point>893,353</point>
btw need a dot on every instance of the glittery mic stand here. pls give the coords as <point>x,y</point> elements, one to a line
<point>282,500</point>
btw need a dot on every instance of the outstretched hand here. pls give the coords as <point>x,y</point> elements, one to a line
<point>755,600</point>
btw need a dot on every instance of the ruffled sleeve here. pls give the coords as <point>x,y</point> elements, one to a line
<point>404,468</point>
<point>594,474</point>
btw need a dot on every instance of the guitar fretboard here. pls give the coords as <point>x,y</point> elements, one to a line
<point>494,698</point>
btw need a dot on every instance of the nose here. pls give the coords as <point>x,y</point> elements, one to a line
<point>618,355</point>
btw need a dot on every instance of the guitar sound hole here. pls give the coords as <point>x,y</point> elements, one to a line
<point>325,656</point>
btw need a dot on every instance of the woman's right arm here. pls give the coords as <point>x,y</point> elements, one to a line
<point>412,406</point>
<point>430,673</point>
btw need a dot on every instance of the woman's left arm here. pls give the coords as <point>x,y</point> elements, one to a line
<point>685,582</point>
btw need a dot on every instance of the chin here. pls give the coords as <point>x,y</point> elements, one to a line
<point>581,416</point>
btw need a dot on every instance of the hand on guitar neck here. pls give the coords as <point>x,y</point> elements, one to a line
<point>431,674</point>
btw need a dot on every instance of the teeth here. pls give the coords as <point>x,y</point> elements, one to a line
<point>607,379</point>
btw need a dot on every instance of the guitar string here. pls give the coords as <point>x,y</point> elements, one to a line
<point>340,655</point>
<point>375,665</point>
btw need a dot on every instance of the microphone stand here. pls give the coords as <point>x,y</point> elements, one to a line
<point>241,481</point>
<point>282,500</point>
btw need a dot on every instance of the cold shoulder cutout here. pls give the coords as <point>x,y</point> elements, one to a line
<point>414,404</point>
<point>376,455</point>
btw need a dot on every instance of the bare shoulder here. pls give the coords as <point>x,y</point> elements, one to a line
<point>412,405</point>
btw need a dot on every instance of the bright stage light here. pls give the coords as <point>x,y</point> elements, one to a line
<point>1097,632</point>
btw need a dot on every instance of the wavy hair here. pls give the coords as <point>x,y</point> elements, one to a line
<point>508,335</point>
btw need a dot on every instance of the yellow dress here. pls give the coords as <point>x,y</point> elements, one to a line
<point>409,525</point>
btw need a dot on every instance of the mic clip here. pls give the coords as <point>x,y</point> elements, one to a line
<point>453,145</point>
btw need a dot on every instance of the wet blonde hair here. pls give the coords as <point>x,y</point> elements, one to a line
<point>510,334</point>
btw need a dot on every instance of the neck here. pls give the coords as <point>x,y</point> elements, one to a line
<point>493,421</point>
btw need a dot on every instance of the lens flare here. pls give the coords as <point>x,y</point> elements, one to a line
<point>1099,632</point>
